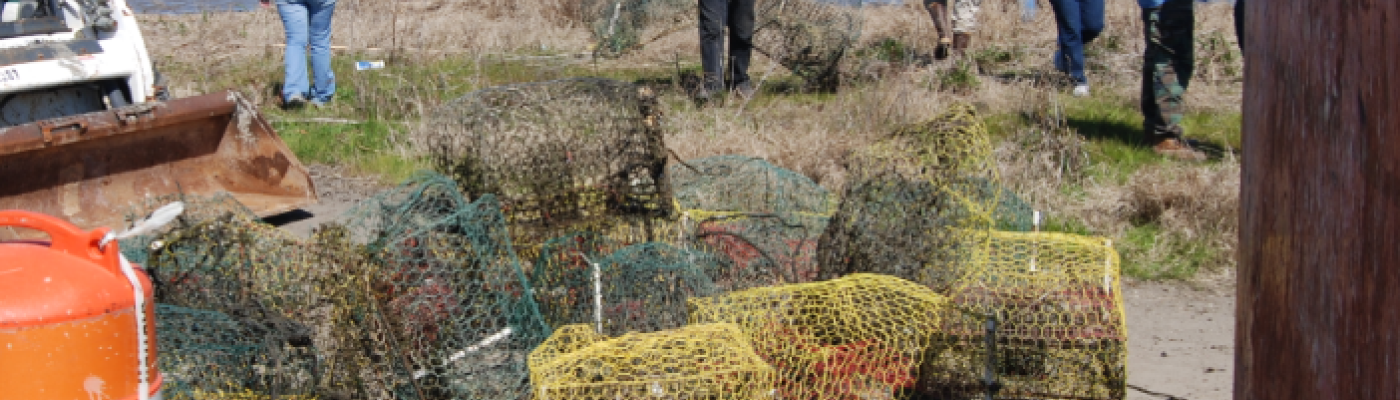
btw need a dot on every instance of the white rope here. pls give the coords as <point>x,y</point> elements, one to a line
<point>598,296</point>
<point>489,340</point>
<point>153,222</point>
<point>143,362</point>
<point>156,220</point>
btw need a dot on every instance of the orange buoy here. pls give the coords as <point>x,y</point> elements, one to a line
<point>68,317</point>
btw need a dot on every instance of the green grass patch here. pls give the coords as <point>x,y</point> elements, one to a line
<point>1113,129</point>
<point>363,146</point>
<point>1055,223</point>
<point>1149,253</point>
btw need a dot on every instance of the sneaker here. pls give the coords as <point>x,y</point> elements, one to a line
<point>1178,149</point>
<point>745,91</point>
<point>703,95</point>
<point>1060,63</point>
<point>1081,90</point>
<point>293,102</point>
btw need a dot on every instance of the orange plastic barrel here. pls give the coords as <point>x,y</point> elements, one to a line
<point>68,316</point>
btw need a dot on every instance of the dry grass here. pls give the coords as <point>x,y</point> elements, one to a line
<point>1043,158</point>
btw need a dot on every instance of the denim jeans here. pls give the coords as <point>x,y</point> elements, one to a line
<point>715,15</point>
<point>1079,22</point>
<point>308,26</point>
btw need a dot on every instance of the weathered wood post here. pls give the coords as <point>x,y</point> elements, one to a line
<point>1319,278</point>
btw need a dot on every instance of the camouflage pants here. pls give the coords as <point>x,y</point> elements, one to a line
<point>963,13</point>
<point>1167,65</point>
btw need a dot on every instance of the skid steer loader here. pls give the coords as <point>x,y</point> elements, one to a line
<point>86,130</point>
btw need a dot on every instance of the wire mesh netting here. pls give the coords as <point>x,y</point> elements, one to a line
<point>416,295</point>
<point>915,204</point>
<point>855,337</point>
<point>420,291</point>
<point>808,37</point>
<point>703,361</point>
<point>563,156</point>
<point>207,353</point>
<point>746,184</point>
<point>588,278</point>
<point>1061,331</point>
<point>220,329</point>
<point>450,301</point>
<point>762,221</point>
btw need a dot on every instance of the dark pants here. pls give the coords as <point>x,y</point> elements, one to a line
<point>715,15</point>
<point>1079,22</point>
<point>1167,65</point>
<point>1239,23</point>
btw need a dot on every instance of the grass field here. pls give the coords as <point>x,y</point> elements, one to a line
<point>1077,159</point>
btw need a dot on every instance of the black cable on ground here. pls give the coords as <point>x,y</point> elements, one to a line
<point>1152,393</point>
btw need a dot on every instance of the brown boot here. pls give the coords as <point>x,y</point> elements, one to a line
<point>960,42</point>
<point>939,12</point>
<point>1178,149</point>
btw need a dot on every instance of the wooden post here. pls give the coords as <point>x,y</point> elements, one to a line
<point>1319,278</point>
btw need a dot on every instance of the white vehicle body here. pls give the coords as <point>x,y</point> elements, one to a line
<point>61,58</point>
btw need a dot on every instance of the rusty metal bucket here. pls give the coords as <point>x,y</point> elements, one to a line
<point>92,168</point>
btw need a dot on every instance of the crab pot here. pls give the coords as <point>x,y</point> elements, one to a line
<point>68,316</point>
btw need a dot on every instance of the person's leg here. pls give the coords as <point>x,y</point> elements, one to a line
<point>741,21</point>
<point>1067,19</point>
<point>1167,68</point>
<point>1239,23</point>
<point>322,12</point>
<point>1091,14</point>
<point>713,14</point>
<point>938,12</point>
<point>294,16</point>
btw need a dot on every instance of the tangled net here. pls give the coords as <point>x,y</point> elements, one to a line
<point>619,25</point>
<point>921,214</point>
<point>588,278</point>
<point>417,294</point>
<point>567,155</point>
<point>739,183</point>
<point>762,221</point>
<point>808,37</point>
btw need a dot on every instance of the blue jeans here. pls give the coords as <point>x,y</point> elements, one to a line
<point>303,20</point>
<point>1080,22</point>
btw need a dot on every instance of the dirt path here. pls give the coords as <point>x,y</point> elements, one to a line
<point>1181,341</point>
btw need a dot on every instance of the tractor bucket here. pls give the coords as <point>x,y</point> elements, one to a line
<point>92,169</point>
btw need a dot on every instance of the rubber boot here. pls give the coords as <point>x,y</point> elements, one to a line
<point>939,12</point>
<point>961,40</point>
